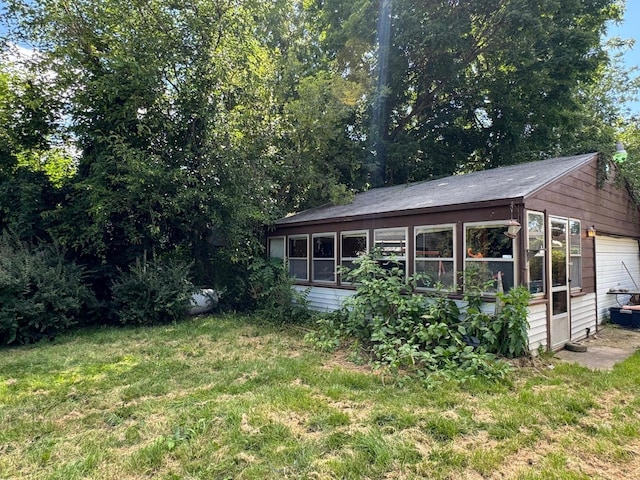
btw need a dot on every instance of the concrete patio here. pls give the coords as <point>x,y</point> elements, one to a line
<point>610,345</point>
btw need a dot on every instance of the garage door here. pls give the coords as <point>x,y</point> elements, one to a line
<point>617,266</point>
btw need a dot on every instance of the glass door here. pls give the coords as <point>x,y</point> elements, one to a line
<point>559,281</point>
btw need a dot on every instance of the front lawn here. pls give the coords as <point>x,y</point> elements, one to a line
<point>224,397</point>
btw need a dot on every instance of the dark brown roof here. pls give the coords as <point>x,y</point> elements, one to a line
<point>503,183</point>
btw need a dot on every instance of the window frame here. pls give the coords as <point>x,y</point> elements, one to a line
<point>573,255</point>
<point>512,261</point>
<point>404,258</point>
<point>284,247</point>
<point>289,257</point>
<point>352,233</point>
<point>417,230</point>
<point>542,252</point>
<point>313,257</point>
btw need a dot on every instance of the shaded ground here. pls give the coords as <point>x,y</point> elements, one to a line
<point>611,345</point>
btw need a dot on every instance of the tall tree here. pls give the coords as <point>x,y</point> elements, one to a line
<point>171,109</point>
<point>468,84</point>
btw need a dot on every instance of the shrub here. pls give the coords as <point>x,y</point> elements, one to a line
<point>273,292</point>
<point>402,330</point>
<point>513,337</point>
<point>153,292</point>
<point>41,294</point>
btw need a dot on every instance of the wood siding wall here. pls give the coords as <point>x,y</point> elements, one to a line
<point>537,318</point>
<point>609,209</point>
<point>323,299</point>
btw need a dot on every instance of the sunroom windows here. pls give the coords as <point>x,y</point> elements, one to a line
<point>489,262</point>
<point>298,255</point>
<point>575,253</point>
<point>434,256</point>
<point>352,245</point>
<point>430,251</point>
<point>391,247</point>
<point>536,253</point>
<point>324,257</point>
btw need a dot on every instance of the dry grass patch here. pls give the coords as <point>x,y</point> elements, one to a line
<point>223,397</point>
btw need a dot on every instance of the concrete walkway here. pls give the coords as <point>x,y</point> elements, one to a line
<point>611,345</point>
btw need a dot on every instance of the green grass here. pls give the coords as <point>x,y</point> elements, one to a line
<point>227,397</point>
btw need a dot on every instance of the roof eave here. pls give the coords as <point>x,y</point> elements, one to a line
<point>518,200</point>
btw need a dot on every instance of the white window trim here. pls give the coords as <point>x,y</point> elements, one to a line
<point>430,228</point>
<point>406,240</point>
<point>513,260</point>
<point>544,252</point>
<point>352,233</point>
<point>284,243</point>
<point>572,288</point>
<point>293,237</point>
<point>335,251</point>
<point>405,257</point>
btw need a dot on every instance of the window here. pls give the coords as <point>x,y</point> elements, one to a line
<point>535,253</point>
<point>324,257</point>
<point>275,247</point>
<point>489,257</point>
<point>391,246</point>
<point>298,256</point>
<point>575,252</point>
<point>352,245</point>
<point>434,256</point>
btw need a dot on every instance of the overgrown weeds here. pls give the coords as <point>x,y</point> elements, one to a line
<point>426,336</point>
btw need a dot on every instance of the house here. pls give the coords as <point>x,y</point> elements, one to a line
<point>577,245</point>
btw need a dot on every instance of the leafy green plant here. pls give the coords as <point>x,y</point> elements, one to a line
<point>405,331</point>
<point>513,338</point>
<point>41,293</point>
<point>153,292</point>
<point>272,290</point>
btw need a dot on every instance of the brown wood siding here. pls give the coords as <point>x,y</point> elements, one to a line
<point>609,209</point>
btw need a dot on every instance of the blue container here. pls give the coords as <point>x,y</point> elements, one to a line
<point>625,317</point>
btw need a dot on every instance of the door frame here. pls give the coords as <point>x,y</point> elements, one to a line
<point>562,319</point>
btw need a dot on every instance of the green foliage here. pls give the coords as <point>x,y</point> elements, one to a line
<point>271,289</point>
<point>153,292</point>
<point>404,331</point>
<point>467,85</point>
<point>513,337</point>
<point>41,293</point>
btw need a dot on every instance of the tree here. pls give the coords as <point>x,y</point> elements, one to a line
<point>468,85</point>
<point>171,109</point>
<point>32,169</point>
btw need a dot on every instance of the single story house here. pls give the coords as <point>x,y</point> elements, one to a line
<point>577,245</point>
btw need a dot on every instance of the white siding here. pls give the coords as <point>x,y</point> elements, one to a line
<point>583,316</point>
<point>537,326</point>
<point>612,256</point>
<point>323,299</point>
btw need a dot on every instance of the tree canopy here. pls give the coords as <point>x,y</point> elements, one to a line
<point>188,126</point>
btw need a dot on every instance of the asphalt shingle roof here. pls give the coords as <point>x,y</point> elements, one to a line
<point>483,186</point>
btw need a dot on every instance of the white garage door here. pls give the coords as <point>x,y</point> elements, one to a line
<point>617,266</point>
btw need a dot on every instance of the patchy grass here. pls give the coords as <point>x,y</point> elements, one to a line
<point>225,397</point>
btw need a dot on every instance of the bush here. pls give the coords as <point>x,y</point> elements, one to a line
<point>273,292</point>
<point>41,294</point>
<point>402,330</point>
<point>152,293</point>
<point>514,333</point>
